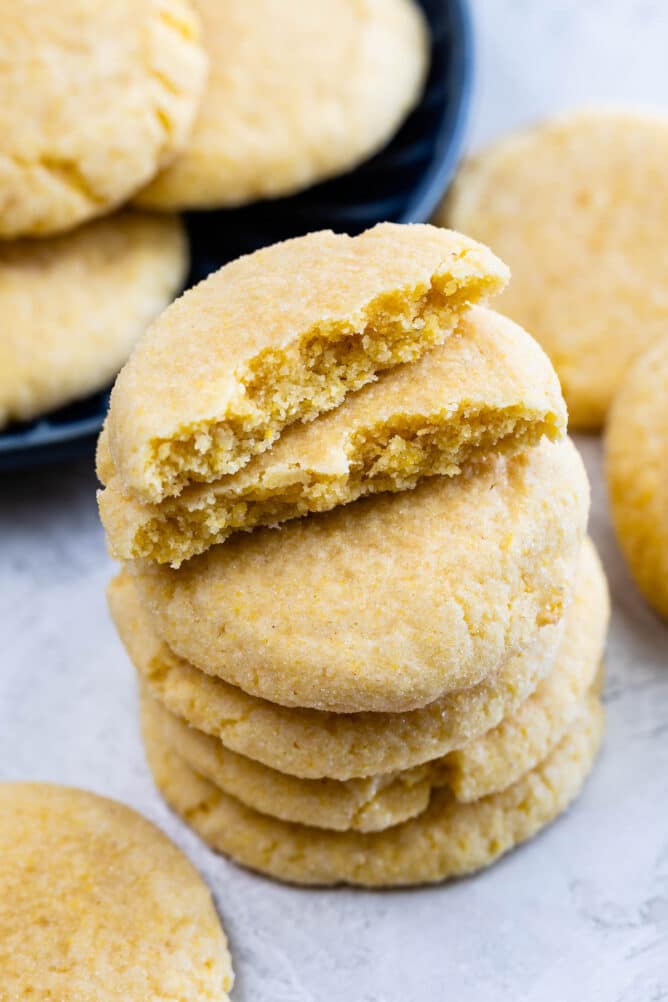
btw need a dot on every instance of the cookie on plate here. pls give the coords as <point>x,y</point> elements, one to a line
<point>488,388</point>
<point>446,840</point>
<point>636,445</point>
<point>296,93</point>
<point>390,602</point>
<point>73,306</point>
<point>482,766</point>
<point>282,335</point>
<point>578,207</point>
<point>96,97</point>
<point>96,904</point>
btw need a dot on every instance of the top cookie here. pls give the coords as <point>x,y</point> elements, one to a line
<point>95,98</point>
<point>297,92</point>
<point>636,466</point>
<point>579,209</point>
<point>387,603</point>
<point>96,904</point>
<point>488,388</point>
<point>280,335</point>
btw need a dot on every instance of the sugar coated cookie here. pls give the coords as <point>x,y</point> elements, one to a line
<point>296,92</point>
<point>72,307</point>
<point>636,465</point>
<point>280,335</point>
<point>489,387</point>
<point>449,839</point>
<point>96,97</point>
<point>96,904</point>
<point>366,607</point>
<point>578,208</point>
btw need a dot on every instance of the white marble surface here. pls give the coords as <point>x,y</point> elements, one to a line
<point>582,911</point>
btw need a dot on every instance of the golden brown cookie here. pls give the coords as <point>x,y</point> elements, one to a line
<point>390,602</point>
<point>578,208</point>
<point>72,307</point>
<point>97,905</point>
<point>280,335</point>
<point>489,388</point>
<point>636,444</point>
<point>96,97</point>
<point>296,92</point>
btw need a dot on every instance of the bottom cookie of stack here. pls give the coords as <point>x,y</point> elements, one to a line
<point>471,798</point>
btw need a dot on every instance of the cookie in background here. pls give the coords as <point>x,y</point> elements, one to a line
<point>578,208</point>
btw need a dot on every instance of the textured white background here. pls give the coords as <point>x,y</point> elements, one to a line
<point>582,911</point>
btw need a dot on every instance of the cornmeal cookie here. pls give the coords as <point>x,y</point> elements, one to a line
<point>449,839</point>
<point>96,97</point>
<point>636,463</point>
<point>296,93</point>
<point>72,307</point>
<point>315,744</point>
<point>367,607</point>
<point>96,904</point>
<point>281,335</point>
<point>489,388</point>
<point>578,208</point>
<point>483,766</point>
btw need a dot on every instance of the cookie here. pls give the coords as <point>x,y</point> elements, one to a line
<point>281,335</point>
<point>97,904</point>
<point>72,307</point>
<point>310,743</point>
<point>449,839</point>
<point>96,97</point>
<point>636,445</point>
<point>282,109</point>
<point>367,607</point>
<point>578,208</point>
<point>483,766</point>
<point>488,388</point>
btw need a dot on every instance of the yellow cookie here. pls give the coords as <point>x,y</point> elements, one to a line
<point>483,766</point>
<point>637,471</point>
<point>312,743</point>
<point>281,335</point>
<point>578,208</point>
<point>297,92</point>
<point>387,603</point>
<point>96,97</point>
<point>449,839</point>
<point>96,904</point>
<point>72,307</point>
<point>488,388</point>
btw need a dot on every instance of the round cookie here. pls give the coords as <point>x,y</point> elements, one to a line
<point>578,207</point>
<point>296,93</point>
<point>72,307</point>
<point>96,97</point>
<point>636,445</point>
<point>96,904</point>
<point>447,840</point>
<point>282,335</point>
<point>315,744</point>
<point>483,766</point>
<point>366,607</point>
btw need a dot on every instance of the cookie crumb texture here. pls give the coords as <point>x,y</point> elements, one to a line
<point>96,98</point>
<point>297,92</point>
<point>578,207</point>
<point>636,446</point>
<point>279,336</point>
<point>488,388</point>
<point>96,904</point>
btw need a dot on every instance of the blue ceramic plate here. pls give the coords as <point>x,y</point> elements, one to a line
<point>404,183</point>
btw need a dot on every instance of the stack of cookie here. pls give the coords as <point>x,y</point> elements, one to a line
<point>393,678</point>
